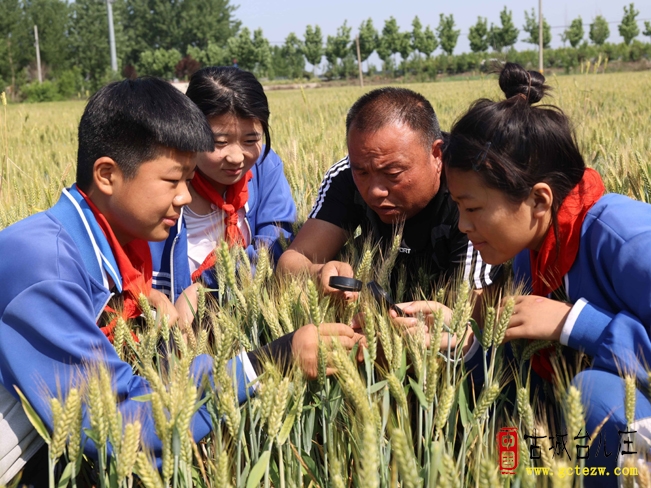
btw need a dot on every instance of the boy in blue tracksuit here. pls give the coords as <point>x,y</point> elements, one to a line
<point>60,268</point>
<point>269,214</point>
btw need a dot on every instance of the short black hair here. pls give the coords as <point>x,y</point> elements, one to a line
<point>392,105</point>
<point>133,121</point>
<point>219,90</point>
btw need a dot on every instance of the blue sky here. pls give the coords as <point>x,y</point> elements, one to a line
<point>278,18</point>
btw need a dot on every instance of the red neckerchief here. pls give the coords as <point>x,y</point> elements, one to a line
<point>135,265</point>
<point>237,195</point>
<point>547,266</point>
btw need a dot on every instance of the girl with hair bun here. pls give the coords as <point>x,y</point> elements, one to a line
<point>524,193</point>
<point>239,190</point>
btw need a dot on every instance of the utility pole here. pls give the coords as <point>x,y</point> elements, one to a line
<point>114,57</point>
<point>38,56</point>
<point>359,63</point>
<point>540,37</point>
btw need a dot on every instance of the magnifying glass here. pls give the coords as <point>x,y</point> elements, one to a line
<point>384,298</point>
<point>345,284</point>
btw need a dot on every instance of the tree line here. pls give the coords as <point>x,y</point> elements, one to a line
<point>174,39</point>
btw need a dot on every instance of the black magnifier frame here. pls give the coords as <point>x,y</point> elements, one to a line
<point>344,283</point>
<point>383,298</point>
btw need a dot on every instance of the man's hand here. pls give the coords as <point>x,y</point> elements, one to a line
<point>324,272</point>
<point>163,306</point>
<point>305,345</point>
<point>536,317</point>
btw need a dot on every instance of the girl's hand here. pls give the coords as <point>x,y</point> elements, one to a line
<point>305,345</point>
<point>536,317</point>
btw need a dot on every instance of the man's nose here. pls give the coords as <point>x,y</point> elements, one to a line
<point>377,189</point>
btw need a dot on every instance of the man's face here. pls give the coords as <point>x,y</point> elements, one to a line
<point>149,204</point>
<point>394,172</point>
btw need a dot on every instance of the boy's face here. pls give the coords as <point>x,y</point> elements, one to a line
<point>149,204</point>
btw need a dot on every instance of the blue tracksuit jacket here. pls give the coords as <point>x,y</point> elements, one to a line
<point>53,287</point>
<point>270,213</point>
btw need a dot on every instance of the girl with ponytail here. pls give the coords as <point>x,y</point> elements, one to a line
<point>524,193</point>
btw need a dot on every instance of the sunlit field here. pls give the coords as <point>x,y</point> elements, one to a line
<point>406,416</point>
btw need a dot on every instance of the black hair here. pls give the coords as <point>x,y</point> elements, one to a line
<point>219,90</point>
<point>133,121</point>
<point>512,145</point>
<point>390,105</point>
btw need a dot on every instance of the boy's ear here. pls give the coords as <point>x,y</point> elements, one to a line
<point>541,199</point>
<point>105,175</point>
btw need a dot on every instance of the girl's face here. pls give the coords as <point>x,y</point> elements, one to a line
<point>498,228</point>
<point>238,143</point>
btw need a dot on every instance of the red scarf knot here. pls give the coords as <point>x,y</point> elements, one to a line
<point>237,195</point>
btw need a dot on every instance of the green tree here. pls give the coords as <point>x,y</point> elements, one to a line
<point>292,51</point>
<point>629,29</point>
<point>574,33</point>
<point>313,46</point>
<point>404,45</point>
<point>367,39</point>
<point>338,47</point>
<point>153,24</point>
<point>16,42</point>
<point>430,42</point>
<point>599,30</point>
<point>205,21</point>
<point>391,38</point>
<point>506,35</point>
<point>531,27</point>
<point>647,28</point>
<point>213,55</point>
<point>51,17</point>
<point>242,49</point>
<point>159,62</point>
<point>478,36</point>
<point>88,36</point>
<point>263,64</point>
<point>423,41</point>
<point>447,35</point>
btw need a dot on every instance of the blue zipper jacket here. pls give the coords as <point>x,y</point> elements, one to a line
<point>54,282</point>
<point>270,213</point>
<point>610,286</point>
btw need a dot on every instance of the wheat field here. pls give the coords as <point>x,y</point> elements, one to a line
<point>410,419</point>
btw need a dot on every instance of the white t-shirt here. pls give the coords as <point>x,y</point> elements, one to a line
<point>205,232</point>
